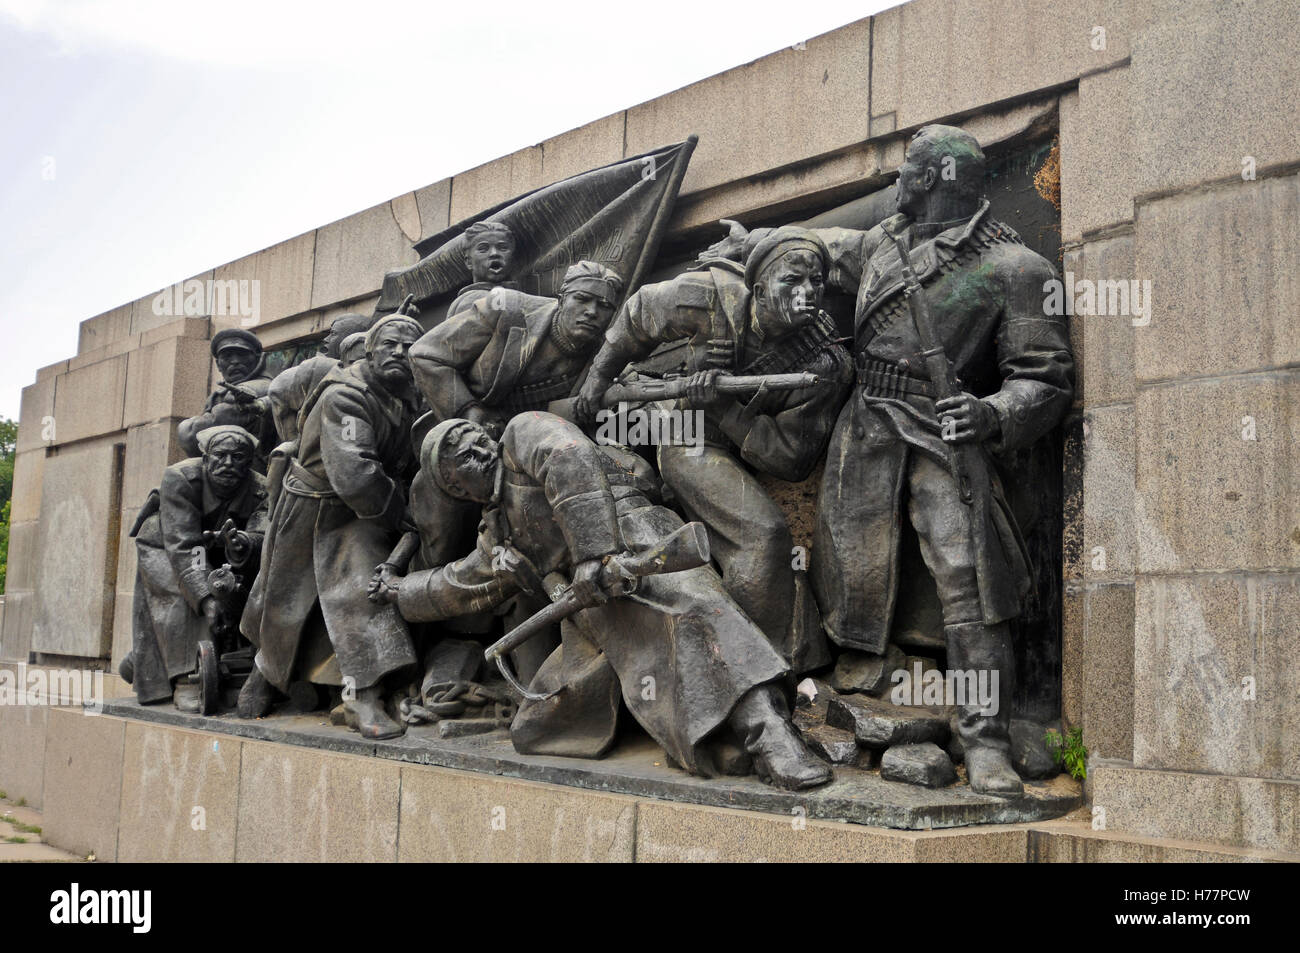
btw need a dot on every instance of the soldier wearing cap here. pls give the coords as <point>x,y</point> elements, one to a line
<point>341,508</point>
<point>763,319</point>
<point>241,399</point>
<point>207,511</point>
<point>490,256</point>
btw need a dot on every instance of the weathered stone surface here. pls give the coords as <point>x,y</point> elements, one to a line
<point>18,618</point>
<point>1195,96</point>
<point>587,147</point>
<point>180,794</point>
<point>879,724</point>
<point>1028,752</point>
<point>22,748</point>
<point>150,449</point>
<point>1108,487</point>
<point>150,313</point>
<point>29,472</point>
<point>1098,181</point>
<point>1103,343</point>
<point>83,782</point>
<point>1108,686</point>
<point>1192,248</point>
<point>463,727</point>
<point>406,212</point>
<point>864,672</point>
<point>104,329</point>
<point>451,816</point>
<point>434,203</point>
<point>165,380</point>
<point>1233,811</point>
<point>352,255</point>
<point>36,409</point>
<point>183,327</point>
<point>284,273</point>
<point>820,89</point>
<point>833,744</point>
<point>1073,634</point>
<point>925,764</point>
<point>77,553</point>
<point>1075,842</point>
<point>21,572</point>
<point>980,51</point>
<point>492,183</point>
<point>297,806</point>
<point>1199,639</point>
<point>88,401</point>
<point>1206,497</point>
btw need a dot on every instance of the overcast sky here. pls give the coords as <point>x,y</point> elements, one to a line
<point>148,141</point>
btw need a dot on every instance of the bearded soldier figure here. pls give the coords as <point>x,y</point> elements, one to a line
<point>892,450</point>
<point>341,508</point>
<point>207,511</point>
<point>762,319</point>
<point>240,399</point>
<point>561,505</point>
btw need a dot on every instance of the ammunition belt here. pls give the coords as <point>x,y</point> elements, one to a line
<point>886,379</point>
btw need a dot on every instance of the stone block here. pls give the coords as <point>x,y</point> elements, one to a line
<point>1225,271</point>
<point>1257,813</point>
<point>177,328</point>
<point>1075,842</point>
<point>150,449</point>
<point>865,672</point>
<point>180,793</point>
<point>88,402</point>
<point>83,782</point>
<point>482,187</point>
<point>831,744</point>
<point>925,764</point>
<point>284,274</point>
<point>1108,487</point>
<point>1217,464</point>
<point>1216,687</point>
<point>22,749</point>
<point>352,255</point>
<point>167,379</point>
<point>879,724</point>
<point>677,833</point>
<point>434,204</point>
<point>1103,343</point>
<point>1098,155</point>
<point>29,472</point>
<point>977,52</point>
<point>587,147</point>
<point>1029,754</point>
<point>21,572</point>
<point>19,615</point>
<point>454,816</point>
<point>301,804</point>
<point>35,412</point>
<point>818,91</point>
<point>104,329</point>
<point>122,623</point>
<point>51,370</point>
<point>1108,685</point>
<point>189,298</point>
<point>406,212</point>
<point>1197,94</point>
<point>77,553</point>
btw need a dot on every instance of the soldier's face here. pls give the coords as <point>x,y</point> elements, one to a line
<point>227,464</point>
<point>490,257</point>
<point>235,364</point>
<point>789,293</point>
<point>390,358</point>
<point>475,463</point>
<point>584,316</point>
<point>912,182</point>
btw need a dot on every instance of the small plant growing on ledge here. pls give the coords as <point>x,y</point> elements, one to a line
<point>1069,751</point>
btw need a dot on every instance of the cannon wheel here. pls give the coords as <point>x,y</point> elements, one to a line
<point>209,670</point>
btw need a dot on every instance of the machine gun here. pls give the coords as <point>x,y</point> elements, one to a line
<point>686,548</point>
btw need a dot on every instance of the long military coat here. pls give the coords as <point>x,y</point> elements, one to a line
<point>986,295</point>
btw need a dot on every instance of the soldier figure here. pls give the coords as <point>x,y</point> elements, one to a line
<point>561,505</point>
<point>763,319</point>
<point>240,399</point>
<point>342,507</point>
<point>207,511</point>
<point>490,255</point>
<point>293,386</point>
<point>892,448</point>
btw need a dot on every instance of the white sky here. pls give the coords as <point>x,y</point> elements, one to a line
<point>186,134</point>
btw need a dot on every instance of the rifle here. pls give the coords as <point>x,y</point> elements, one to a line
<point>667,388</point>
<point>966,460</point>
<point>685,548</point>
<point>236,393</point>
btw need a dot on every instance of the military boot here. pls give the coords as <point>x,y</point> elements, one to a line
<point>373,722</point>
<point>780,756</point>
<point>985,649</point>
<point>256,697</point>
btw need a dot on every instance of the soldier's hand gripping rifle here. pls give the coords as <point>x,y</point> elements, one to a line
<point>686,548</point>
<point>668,388</point>
<point>966,460</point>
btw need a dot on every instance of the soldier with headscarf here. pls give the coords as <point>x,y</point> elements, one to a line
<point>208,511</point>
<point>342,507</point>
